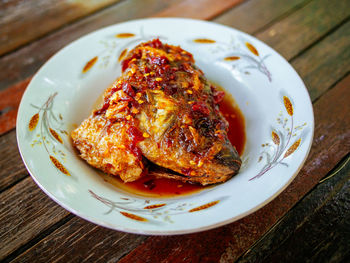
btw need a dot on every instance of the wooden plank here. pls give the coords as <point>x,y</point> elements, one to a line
<point>22,21</point>
<point>9,103</point>
<point>252,16</point>
<point>25,212</point>
<point>324,64</point>
<point>228,228</point>
<point>80,241</point>
<point>331,144</point>
<point>23,63</point>
<point>307,25</point>
<point>199,9</point>
<point>316,229</point>
<point>12,168</point>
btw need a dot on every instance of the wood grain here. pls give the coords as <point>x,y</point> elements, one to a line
<point>331,144</point>
<point>80,241</point>
<point>199,9</point>
<point>22,21</point>
<point>9,103</point>
<point>307,25</point>
<point>252,16</point>
<point>327,62</point>
<point>317,229</point>
<point>23,63</point>
<point>12,168</point>
<point>25,212</point>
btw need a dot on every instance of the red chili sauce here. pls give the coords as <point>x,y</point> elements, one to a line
<point>151,186</point>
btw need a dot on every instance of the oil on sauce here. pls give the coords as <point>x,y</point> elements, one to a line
<point>150,186</point>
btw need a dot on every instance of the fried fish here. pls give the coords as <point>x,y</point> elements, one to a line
<point>163,110</point>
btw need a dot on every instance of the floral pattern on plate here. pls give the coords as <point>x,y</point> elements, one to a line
<point>282,146</point>
<point>241,54</point>
<point>47,135</point>
<point>119,42</point>
<point>133,208</point>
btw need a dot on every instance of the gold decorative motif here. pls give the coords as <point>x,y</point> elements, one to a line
<point>203,206</point>
<point>90,64</point>
<point>115,49</point>
<point>204,41</point>
<point>281,139</point>
<point>122,54</point>
<point>124,35</point>
<point>241,54</point>
<point>292,148</point>
<point>288,105</point>
<point>48,136</point>
<point>56,135</point>
<point>252,48</point>
<point>232,58</point>
<point>154,206</point>
<point>133,208</point>
<point>275,138</point>
<point>59,166</point>
<point>33,122</point>
<point>134,217</point>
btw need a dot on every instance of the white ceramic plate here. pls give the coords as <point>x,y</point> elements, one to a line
<point>274,101</point>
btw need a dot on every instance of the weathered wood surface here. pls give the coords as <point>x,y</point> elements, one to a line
<point>199,9</point>
<point>9,103</point>
<point>12,168</point>
<point>318,74</point>
<point>331,144</point>
<point>21,207</point>
<point>314,38</point>
<point>305,26</point>
<point>316,230</point>
<point>253,16</point>
<point>23,21</point>
<point>80,241</point>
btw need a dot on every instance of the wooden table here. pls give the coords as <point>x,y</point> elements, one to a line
<point>310,220</point>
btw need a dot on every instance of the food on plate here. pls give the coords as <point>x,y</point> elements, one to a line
<point>162,110</point>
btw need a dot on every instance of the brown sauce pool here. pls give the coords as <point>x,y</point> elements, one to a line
<point>150,186</point>
<point>234,116</point>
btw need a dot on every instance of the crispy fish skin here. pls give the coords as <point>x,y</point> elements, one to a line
<point>169,113</point>
<point>102,145</point>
